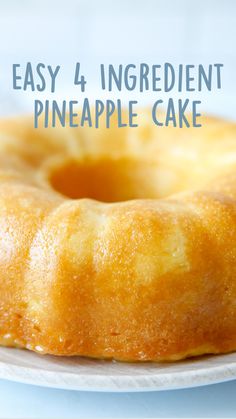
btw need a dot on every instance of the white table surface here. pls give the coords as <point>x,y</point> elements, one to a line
<point>32,402</point>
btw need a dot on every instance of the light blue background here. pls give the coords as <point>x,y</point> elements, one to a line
<point>117,31</point>
<point>32,402</point>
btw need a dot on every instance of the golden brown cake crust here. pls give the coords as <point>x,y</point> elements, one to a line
<point>141,266</point>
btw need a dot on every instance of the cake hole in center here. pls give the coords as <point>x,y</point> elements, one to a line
<point>112,180</point>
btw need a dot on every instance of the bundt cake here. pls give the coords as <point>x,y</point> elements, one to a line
<point>118,243</point>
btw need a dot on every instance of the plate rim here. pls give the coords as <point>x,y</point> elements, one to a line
<point>66,380</point>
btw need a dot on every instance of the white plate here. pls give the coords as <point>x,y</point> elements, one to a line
<point>86,374</point>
